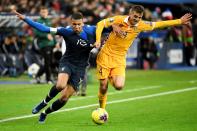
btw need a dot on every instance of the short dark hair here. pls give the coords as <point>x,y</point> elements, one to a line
<point>43,8</point>
<point>77,16</point>
<point>137,8</point>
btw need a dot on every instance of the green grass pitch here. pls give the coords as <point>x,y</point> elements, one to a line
<point>150,101</point>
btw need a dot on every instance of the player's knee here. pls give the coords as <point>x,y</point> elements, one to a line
<point>60,86</point>
<point>103,87</point>
<point>118,86</point>
<point>64,98</point>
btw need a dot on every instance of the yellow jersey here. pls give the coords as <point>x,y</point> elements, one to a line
<point>118,46</point>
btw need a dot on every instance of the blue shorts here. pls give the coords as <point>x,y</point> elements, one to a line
<point>76,74</point>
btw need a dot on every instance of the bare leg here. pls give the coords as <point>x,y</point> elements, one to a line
<point>118,82</point>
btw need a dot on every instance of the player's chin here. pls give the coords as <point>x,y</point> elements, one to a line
<point>135,22</point>
<point>77,31</point>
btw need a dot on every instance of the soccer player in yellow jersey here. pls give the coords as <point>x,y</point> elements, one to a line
<point>111,60</point>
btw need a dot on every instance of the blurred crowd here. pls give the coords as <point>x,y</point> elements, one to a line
<point>17,44</point>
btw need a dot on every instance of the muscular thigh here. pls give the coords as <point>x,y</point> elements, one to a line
<point>118,76</point>
<point>76,78</point>
<point>62,80</point>
<point>118,71</point>
<point>110,65</point>
<point>102,72</point>
<point>104,65</point>
<point>118,81</point>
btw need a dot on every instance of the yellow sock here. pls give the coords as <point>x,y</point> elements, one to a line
<point>102,99</point>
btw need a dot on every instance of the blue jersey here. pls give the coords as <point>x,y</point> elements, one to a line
<point>78,46</point>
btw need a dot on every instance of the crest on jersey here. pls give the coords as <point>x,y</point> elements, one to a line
<point>135,28</point>
<point>111,20</point>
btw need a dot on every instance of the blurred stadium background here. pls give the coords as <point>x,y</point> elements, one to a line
<point>161,49</point>
<point>167,49</point>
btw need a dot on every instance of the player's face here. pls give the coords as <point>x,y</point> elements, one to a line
<point>44,13</point>
<point>135,17</point>
<point>77,25</point>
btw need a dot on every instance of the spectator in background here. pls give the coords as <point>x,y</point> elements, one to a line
<point>156,14</point>
<point>149,53</point>
<point>46,43</point>
<point>3,64</point>
<point>188,43</point>
<point>14,57</point>
<point>195,38</point>
<point>173,33</point>
<point>83,86</point>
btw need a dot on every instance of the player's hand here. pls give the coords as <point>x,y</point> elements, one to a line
<point>20,16</point>
<point>185,19</point>
<point>57,46</point>
<point>97,44</point>
<point>118,31</point>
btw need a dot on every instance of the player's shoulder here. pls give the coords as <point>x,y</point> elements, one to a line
<point>65,30</point>
<point>89,28</point>
<point>68,28</point>
<point>118,18</point>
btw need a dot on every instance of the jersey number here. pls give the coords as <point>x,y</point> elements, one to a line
<point>100,70</point>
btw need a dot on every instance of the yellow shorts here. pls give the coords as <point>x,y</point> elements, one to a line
<point>108,65</point>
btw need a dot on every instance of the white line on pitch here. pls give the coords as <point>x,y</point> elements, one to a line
<point>119,92</point>
<point>192,81</point>
<point>110,102</point>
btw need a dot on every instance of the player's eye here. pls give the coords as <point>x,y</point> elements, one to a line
<point>75,24</point>
<point>139,17</point>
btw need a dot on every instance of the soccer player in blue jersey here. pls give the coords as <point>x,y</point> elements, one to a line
<point>79,40</point>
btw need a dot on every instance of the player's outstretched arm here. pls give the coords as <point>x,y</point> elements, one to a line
<point>32,23</point>
<point>20,16</point>
<point>185,19</point>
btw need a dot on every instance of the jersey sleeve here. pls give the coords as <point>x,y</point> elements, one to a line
<point>167,23</point>
<point>37,26</point>
<point>148,26</point>
<point>62,31</point>
<point>104,24</point>
<point>91,29</point>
